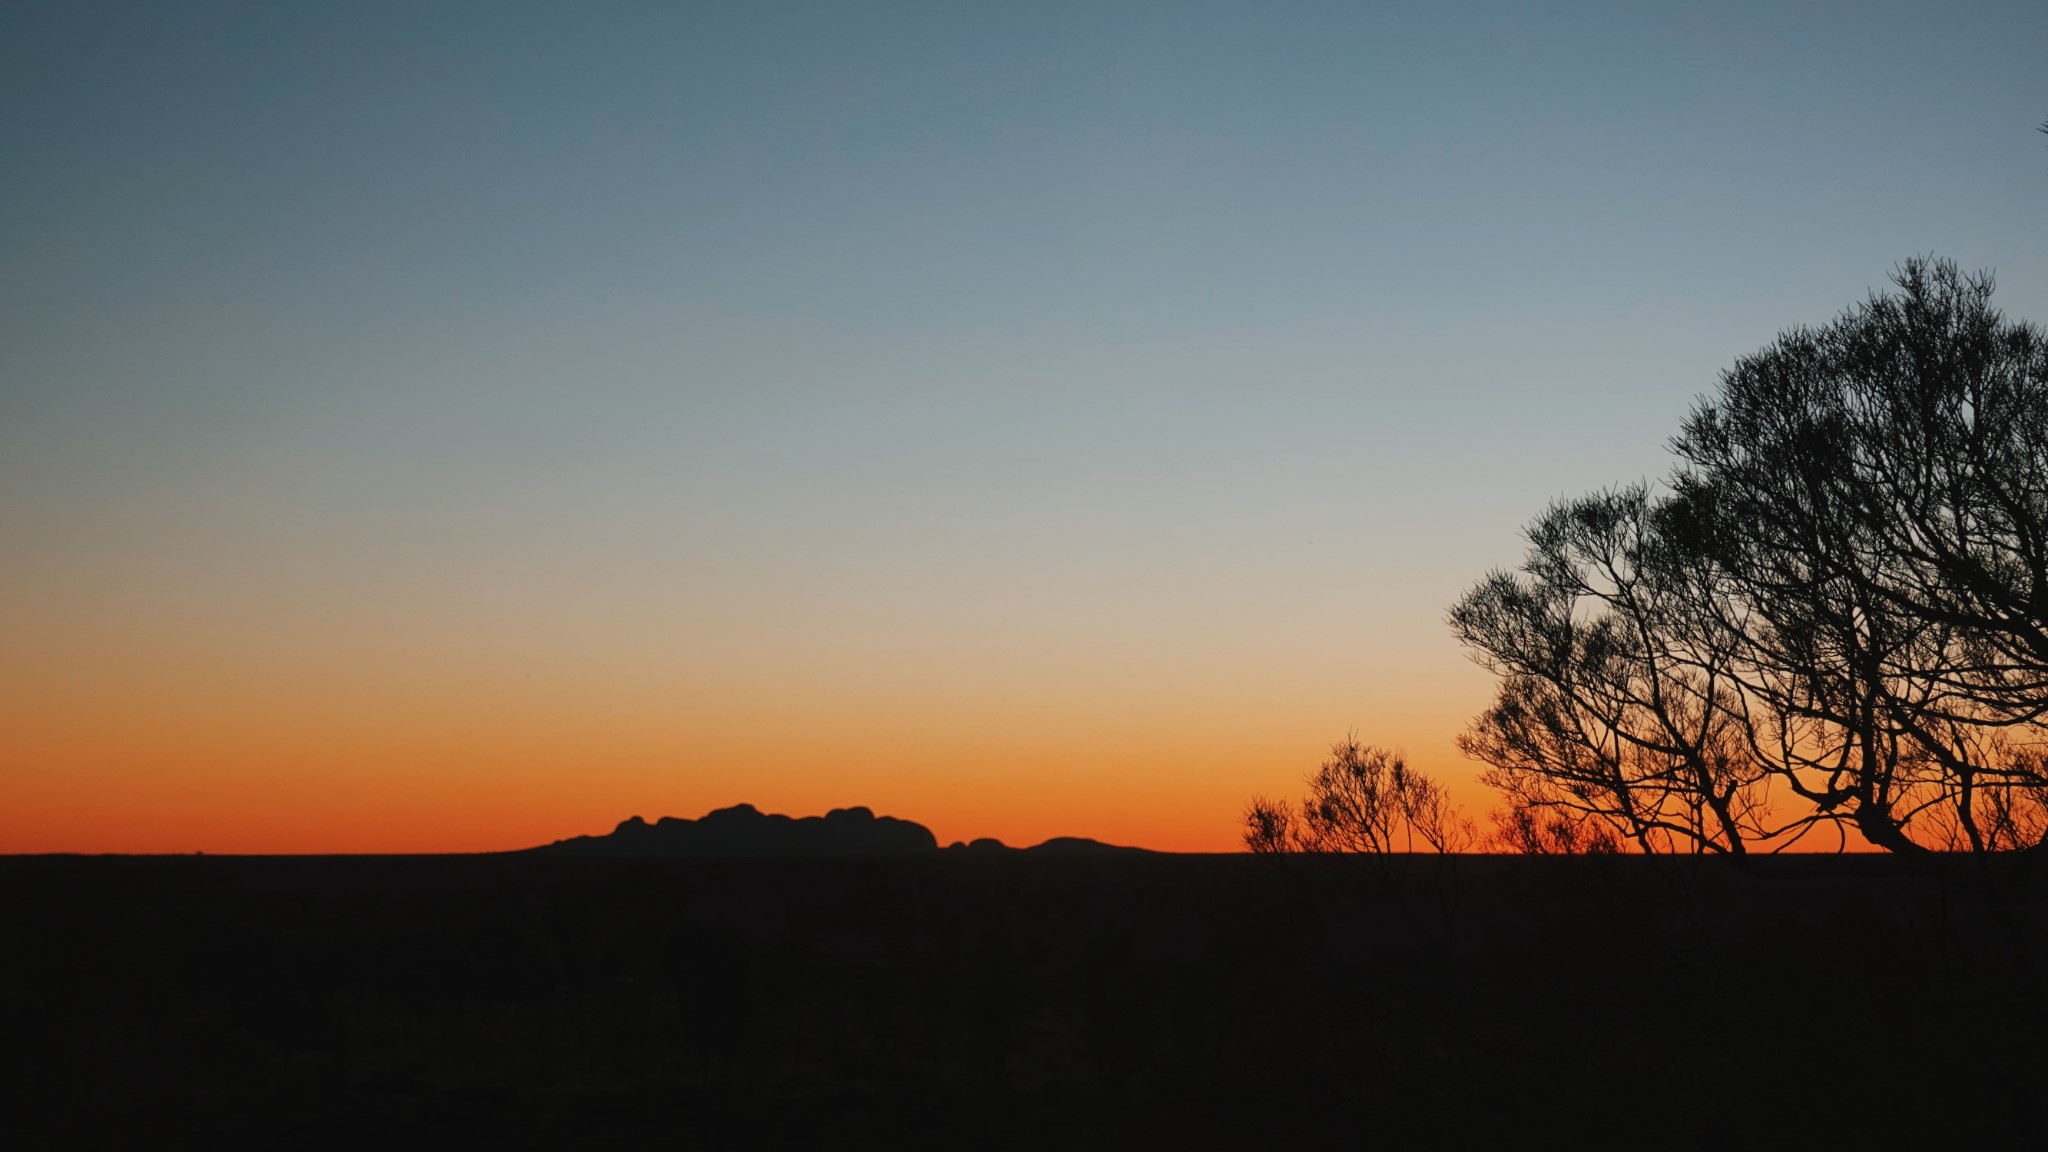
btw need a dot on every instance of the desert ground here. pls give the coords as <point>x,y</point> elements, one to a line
<point>1016,1001</point>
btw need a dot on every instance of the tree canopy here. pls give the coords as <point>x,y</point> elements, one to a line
<point>1835,616</point>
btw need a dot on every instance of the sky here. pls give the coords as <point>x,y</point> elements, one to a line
<point>458,426</point>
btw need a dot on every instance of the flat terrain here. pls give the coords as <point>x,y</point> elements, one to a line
<point>1145,1001</point>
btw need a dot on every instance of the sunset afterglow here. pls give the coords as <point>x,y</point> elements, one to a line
<point>459,428</point>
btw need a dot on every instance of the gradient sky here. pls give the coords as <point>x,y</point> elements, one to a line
<point>437,426</point>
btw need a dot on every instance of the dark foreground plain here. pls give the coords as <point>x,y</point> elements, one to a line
<point>1122,1001</point>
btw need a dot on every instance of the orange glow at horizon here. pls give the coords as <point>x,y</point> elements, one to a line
<point>272,794</point>
<point>118,739</point>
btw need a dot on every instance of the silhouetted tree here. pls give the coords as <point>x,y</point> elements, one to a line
<point>1873,498</point>
<point>1531,831</point>
<point>1362,799</point>
<point>1608,721</point>
<point>1268,826</point>
<point>1844,598</point>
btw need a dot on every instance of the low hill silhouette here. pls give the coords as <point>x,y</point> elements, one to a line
<point>1058,845</point>
<point>744,830</point>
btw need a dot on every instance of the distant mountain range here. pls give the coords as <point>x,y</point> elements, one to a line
<point>744,830</point>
